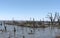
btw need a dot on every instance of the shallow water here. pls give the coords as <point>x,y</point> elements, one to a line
<point>24,31</point>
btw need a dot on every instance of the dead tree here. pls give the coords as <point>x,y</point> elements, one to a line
<point>50,18</point>
<point>53,17</point>
<point>33,22</point>
<point>58,19</point>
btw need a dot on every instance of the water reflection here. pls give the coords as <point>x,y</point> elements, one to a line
<point>25,32</point>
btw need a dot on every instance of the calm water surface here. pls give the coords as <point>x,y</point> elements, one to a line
<point>25,31</point>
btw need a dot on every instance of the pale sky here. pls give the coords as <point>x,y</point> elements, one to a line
<point>24,9</point>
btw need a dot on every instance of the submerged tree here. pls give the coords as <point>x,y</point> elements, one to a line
<point>52,17</point>
<point>33,22</point>
<point>58,19</point>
